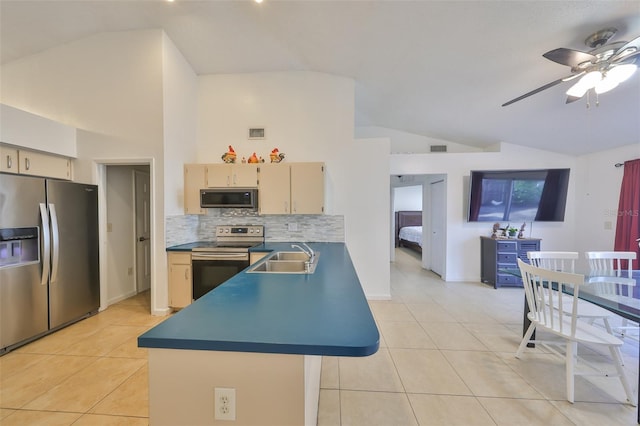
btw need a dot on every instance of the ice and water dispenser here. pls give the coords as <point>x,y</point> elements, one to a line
<point>19,246</point>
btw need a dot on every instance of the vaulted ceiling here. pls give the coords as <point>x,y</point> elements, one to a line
<point>440,69</point>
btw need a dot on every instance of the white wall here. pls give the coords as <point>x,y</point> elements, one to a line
<point>110,86</point>
<point>463,242</point>
<point>407,198</point>
<point>308,116</point>
<point>597,196</point>
<point>180,94</point>
<point>410,143</point>
<point>28,130</point>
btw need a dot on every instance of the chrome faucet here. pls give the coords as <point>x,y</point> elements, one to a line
<point>307,250</point>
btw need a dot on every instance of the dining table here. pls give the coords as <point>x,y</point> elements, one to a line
<point>613,290</point>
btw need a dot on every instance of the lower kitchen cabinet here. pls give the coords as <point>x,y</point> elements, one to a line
<point>180,280</point>
<point>504,254</point>
<point>256,256</point>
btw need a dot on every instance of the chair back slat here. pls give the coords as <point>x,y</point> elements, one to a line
<point>546,305</point>
<point>607,262</point>
<point>564,261</point>
<point>610,260</point>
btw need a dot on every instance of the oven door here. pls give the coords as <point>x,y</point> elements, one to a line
<point>212,269</point>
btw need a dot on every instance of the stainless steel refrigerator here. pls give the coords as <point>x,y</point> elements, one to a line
<point>49,273</point>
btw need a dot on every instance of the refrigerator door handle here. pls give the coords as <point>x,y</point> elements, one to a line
<point>46,244</point>
<point>55,239</point>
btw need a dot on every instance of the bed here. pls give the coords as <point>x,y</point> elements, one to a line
<point>409,229</point>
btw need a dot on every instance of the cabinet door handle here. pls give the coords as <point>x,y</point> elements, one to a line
<point>27,164</point>
<point>286,207</point>
<point>235,179</point>
<point>186,274</point>
<point>9,162</point>
<point>228,180</point>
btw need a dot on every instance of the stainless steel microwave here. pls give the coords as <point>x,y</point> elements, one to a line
<point>229,197</point>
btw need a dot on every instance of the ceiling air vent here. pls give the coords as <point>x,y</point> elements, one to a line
<point>438,148</point>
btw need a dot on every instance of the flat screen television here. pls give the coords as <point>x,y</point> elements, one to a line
<point>518,195</point>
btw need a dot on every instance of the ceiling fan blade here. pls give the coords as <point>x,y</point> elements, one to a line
<point>568,57</point>
<point>623,59</point>
<point>571,99</point>
<point>620,54</point>
<point>540,89</point>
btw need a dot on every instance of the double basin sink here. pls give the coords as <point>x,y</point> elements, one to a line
<point>287,262</point>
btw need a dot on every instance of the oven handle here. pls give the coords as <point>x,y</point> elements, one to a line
<point>219,256</point>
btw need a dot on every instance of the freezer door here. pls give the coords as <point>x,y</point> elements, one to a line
<point>74,288</point>
<point>23,304</point>
<point>23,289</point>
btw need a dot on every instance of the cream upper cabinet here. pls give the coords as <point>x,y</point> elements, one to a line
<point>232,175</point>
<point>296,188</point>
<point>180,282</point>
<point>307,188</point>
<point>194,180</point>
<point>8,159</point>
<point>46,165</point>
<point>274,190</point>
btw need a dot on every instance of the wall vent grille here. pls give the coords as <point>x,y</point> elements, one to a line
<point>438,148</point>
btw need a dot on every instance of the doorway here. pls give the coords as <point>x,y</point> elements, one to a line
<point>125,216</point>
<point>434,218</point>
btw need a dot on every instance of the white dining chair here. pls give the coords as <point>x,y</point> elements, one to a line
<point>545,315</point>
<point>613,262</point>
<point>564,261</point>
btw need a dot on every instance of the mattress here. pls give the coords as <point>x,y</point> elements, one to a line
<point>411,233</point>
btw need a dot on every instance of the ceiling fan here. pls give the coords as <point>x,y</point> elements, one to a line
<point>602,68</point>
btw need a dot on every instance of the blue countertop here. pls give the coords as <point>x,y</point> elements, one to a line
<point>187,246</point>
<point>324,313</point>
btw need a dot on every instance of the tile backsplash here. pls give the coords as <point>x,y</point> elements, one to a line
<point>320,228</point>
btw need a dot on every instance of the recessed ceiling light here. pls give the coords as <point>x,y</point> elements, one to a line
<point>258,1</point>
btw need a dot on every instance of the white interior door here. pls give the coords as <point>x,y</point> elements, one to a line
<point>438,209</point>
<point>142,231</point>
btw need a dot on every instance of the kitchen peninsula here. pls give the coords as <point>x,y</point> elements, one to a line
<point>263,336</point>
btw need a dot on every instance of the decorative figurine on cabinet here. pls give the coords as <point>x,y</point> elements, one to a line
<point>229,156</point>
<point>521,233</point>
<point>496,228</point>
<point>276,156</point>
<point>253,159</point>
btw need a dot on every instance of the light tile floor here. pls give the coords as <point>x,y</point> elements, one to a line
<point>446,358</point>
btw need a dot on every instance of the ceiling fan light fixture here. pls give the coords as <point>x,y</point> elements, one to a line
<point>605,85</point>
<point>577,90</point>
<point>622,73</point>
<point>588,81</point>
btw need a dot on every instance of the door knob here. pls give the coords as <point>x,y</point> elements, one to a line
<point>142,239</point>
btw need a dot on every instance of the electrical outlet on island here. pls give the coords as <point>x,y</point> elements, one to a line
<point>225,403</point>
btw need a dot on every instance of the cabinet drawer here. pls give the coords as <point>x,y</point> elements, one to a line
<point>508,258</point>
<point>506,279</point>
<point>180,258</point>
<point>507,245</point>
